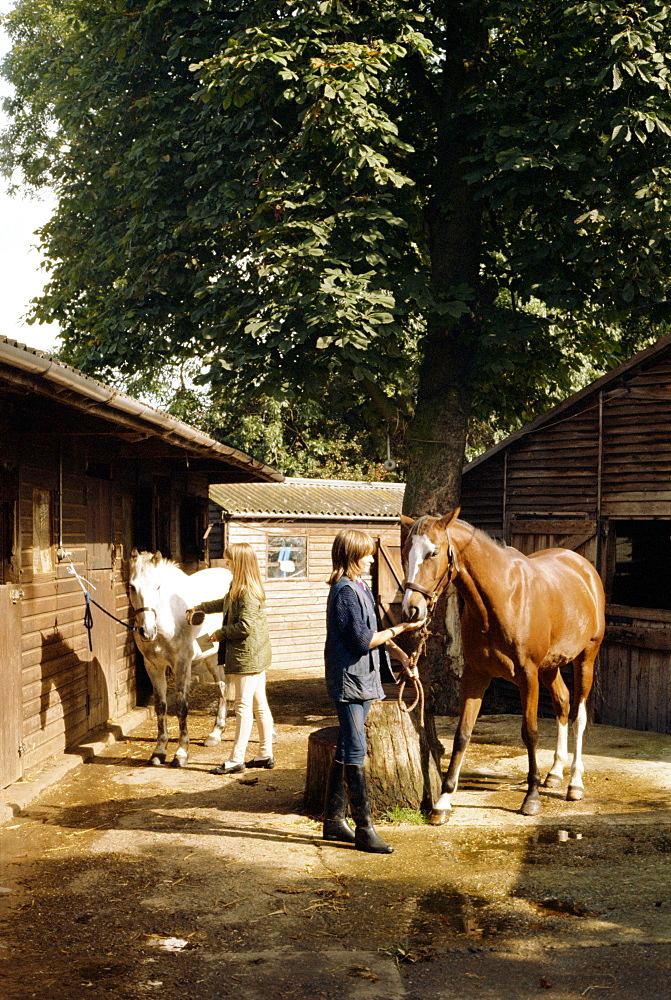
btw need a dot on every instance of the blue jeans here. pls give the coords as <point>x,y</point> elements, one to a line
<point>352,715</point>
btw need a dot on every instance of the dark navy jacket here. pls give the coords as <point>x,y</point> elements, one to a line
<point>353,669</point>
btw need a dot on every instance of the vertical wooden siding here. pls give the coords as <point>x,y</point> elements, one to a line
<point>67,689</point>
<point>637,446</point>
<point>482,499</point>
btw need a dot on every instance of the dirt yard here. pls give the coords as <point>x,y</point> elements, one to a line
<point>130,882</point>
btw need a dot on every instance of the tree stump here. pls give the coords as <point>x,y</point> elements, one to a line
<point>400,768</point>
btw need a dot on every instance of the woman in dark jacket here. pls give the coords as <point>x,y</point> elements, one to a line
<point>356,655</point>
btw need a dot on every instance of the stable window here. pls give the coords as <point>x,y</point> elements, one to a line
<point>642,564</point>
<point>287,557</point>
<point>43,533</point>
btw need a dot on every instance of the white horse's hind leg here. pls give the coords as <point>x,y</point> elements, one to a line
<point>555,775</point>
<point>214,738</point>
<point>182,683</point>
<point>559,693</point>
<point>576,787</point>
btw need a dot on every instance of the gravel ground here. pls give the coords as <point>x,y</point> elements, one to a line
<point>120,880</point>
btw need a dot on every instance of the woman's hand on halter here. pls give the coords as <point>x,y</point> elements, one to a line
<point>411,626</point>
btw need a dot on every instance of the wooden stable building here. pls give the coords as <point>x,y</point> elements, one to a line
<point>594,474</point>
<point>86,474</point>
<point>291,526</point>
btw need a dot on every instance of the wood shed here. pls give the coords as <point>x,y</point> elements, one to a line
<point>594,474</point>
<point>86,474</point>
<point>291,526</point>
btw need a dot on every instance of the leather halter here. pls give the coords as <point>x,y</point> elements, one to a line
<point>138,611</point>
<point>452,564</point>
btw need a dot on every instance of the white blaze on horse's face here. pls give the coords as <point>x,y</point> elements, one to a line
<point>414,604</point>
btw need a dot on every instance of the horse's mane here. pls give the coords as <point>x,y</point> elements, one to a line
<point>426,520</point>
<point>163,566</point>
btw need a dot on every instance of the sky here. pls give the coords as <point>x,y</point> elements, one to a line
<point>21,278</point>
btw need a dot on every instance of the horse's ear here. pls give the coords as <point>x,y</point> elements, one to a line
<point>156,558</point>
<point>449,519</point>
<point>406,525</point>
<point>134,554</point>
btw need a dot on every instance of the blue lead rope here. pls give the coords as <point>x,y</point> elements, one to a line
<point>88,617</point>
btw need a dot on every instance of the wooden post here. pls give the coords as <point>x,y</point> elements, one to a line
<point>400,768</point>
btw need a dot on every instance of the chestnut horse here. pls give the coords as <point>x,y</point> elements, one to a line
<point>523,618</point>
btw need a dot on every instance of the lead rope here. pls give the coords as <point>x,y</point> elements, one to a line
<point>424,634</point>
<point>88,615</point>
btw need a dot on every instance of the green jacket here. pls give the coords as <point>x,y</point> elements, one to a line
<point>243,638</point>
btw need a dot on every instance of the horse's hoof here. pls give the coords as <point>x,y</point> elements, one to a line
<point>438,817</point>
<point>552,781</point>
<point>178,762</point>
<point>157,759</point>
<point>531,807</point>
<point>212,741</point>
<point>574,793</point>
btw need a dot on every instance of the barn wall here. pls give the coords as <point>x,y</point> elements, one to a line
<point>555,470</point>
<point>67,689</point>
<point>70,488</point>
<point>637,446</point>
<point>482,494</point>
<point>297,608</point>
<point>633,686</point>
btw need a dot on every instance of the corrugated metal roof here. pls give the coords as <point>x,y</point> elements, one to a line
<point>310,498</point>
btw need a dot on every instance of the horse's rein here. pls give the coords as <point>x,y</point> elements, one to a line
<point>433,595</point>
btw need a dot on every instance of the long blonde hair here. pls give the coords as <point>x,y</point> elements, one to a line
<point>349,546</point>
<point>245,570</point>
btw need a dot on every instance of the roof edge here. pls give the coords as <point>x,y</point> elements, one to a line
<point>45,366</point>
<point>575,399</point>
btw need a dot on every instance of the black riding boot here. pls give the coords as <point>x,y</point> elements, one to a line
<point>365,837</point>
<point>336,826</point>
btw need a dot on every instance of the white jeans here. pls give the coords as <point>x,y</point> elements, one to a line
<point>250,704</point>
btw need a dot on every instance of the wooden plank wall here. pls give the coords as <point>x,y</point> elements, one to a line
<point>61,699</point>
<point>637,449</point>
<point>482,496</point>
<point>297,608</point>
<point>11,736</point>
<point>554,471</point>
<point>633,687</point>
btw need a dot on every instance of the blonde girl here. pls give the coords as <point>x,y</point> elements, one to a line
<point>244,648</point>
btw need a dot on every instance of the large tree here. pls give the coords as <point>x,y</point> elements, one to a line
<point>469,193</point>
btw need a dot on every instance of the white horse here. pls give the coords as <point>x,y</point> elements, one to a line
<point>160,594</point>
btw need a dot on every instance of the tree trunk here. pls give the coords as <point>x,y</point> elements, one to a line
<point>437,435</point>
<point>401,770</point>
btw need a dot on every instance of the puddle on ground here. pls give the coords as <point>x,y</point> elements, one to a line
<point>567,907</point>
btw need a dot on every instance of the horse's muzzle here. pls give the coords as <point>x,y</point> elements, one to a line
<point>413,607</point>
